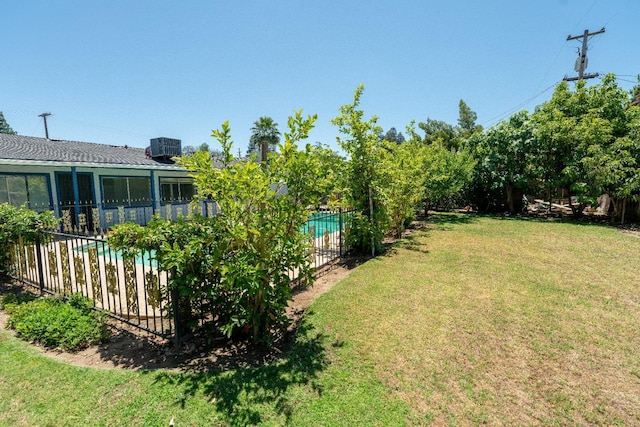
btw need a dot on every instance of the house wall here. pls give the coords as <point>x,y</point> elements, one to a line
<point>108,215</point>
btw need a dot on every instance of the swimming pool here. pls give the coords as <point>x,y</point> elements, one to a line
<point>144,258</point>
<point>321,222</point>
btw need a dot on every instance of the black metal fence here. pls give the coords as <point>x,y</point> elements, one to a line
<point>133,289</point>
<point>128,289</point>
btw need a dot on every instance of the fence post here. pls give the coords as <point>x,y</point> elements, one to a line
<point>182,316</point>
<point>40,271</point>
<point>175,307</point>
<point>340,227</point>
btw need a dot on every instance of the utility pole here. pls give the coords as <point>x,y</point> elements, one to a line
<point>46,129</point>
<point>582,61</point>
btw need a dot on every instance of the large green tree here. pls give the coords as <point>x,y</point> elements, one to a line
<point>587,143</point>
<point>392,135</point>
<point>4,126</point>
<point>467,120</point>
<point>265,129</point>
<point>364,183</point>
<point>446,168</point>
<point>402,168</point>
<point>439,131</point>
<point>506,155</point>
<point>450,136</point>
<point>235,266</point>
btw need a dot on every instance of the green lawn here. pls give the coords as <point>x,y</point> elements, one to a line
<point>473,320</point>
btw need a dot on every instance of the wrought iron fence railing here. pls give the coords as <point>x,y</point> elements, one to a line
<point>133,289</point>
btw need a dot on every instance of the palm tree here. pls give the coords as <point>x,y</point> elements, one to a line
<point>264,130</point>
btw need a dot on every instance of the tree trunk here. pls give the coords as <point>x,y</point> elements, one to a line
<point>614,214</point>
<point>510,198</point>
<point>624,210</point>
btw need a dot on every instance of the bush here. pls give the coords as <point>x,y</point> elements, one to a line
<point>10,301</point>
<point>21,222</point>
<point>235,265</point>
<point>70,325</point>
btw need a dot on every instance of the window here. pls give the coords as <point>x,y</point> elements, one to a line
<point>176,190</point>
<point>126,191</point>
<point>30,189</point>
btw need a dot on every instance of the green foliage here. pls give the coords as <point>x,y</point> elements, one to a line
<point>506,165</point>
<point>4,126</point>
<point>446,170</point>
<point>263,130</point>
<point>54,323</point>
<point>21,222</point>
<point>385,180</point>
<point>392,135</point>
<point>402,168</point>
<point>438,131</point>
<point>449,136</point>
<point>583,142</point>
<point>8,301</point>
<point>587,140</point>
<point>363,180</point>
<point>467,121</point>
<point>238,261</point>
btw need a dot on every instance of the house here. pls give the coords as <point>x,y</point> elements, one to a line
<point>93,186</point>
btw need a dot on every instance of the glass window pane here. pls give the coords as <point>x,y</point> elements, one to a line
<point>4,192</point>
<point>187,191</point>
<point>177,189</point>
<point>38,192</point>
<point>140,191</point>
<point>114,191</point>
<point>165,192</point>
<point>17,186</point>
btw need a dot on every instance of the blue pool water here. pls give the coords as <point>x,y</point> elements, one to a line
<point>322,222</point>
<point>145,258</point>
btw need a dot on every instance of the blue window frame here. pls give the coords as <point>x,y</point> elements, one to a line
<point>32,190</point>
<point>180,190</point>
<point>128,191</point>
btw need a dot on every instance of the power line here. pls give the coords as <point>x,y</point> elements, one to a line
<point>511,110</point>
<point>585,15</point>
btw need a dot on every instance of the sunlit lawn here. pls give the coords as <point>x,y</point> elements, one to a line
<point>473,320</point>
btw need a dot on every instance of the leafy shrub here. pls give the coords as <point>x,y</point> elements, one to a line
<point>70,325</point>
<point>237,262</point>
<point>21,222</point>
<point>10,301</point>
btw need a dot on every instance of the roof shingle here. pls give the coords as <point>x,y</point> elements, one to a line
<point>19,147</point>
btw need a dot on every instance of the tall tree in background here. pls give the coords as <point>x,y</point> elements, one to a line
<point>4,126</point>
<point>392,135</point>
<point>439,131</point>
<point>635,94</point>
<point>467,120</point>
<point>264,129</point>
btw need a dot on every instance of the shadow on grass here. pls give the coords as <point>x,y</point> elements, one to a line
<point>245,395</point>
<point>441,221</point>
<point>446,220</point>
<point>411,243</point>
<point>15,293</point>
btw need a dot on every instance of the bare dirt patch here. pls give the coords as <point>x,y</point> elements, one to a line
<point>631,232</point>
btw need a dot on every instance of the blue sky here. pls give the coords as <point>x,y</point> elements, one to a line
<point>121,72</point>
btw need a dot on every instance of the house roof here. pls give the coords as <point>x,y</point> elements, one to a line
<point>27,149</point>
